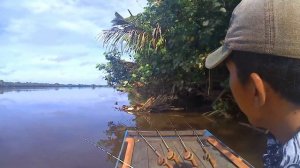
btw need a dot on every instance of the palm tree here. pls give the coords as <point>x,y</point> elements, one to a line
<point>125,34</point>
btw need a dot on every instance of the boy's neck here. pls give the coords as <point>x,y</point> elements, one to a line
<point>286,123</point>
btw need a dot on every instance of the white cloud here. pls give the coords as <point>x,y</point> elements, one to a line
<point>38,6</point>
<point>42,6</point>
<point>80,26</point>
<point>5,72</point>
<point>56,40</point>
<point>19,29</point>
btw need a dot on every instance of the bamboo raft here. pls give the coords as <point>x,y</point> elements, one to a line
<point>205,150</point>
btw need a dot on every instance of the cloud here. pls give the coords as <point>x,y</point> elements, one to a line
<point>63,58</point>
<point>40,6</point>
<point>56,40</point>
<point>87,63</point>
<point>80,26</point>
<point>7,72</point>
<point>62,21</point>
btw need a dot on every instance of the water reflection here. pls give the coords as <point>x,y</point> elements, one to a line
<point>47,127</point>
<point>114,138</point>
<point>30,89</point>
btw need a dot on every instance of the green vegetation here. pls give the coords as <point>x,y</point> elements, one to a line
<point>168,44</point>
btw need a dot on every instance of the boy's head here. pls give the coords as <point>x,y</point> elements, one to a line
<point>262,52</point>
<point>262,82</point>
<point>280,73</point>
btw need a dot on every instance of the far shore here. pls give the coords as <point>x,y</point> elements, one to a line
<point>43,85</point>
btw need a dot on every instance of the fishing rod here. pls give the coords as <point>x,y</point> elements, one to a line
<point>110,154</point>
<point>207,155</point>
<point>171,154</point>
<point>164,142</point>
<point>161,160</point>
<point>187,155</point>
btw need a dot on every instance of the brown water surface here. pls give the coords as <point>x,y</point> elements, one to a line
<point>43,128</point>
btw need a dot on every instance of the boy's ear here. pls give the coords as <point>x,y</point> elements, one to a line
<point>259,89</point>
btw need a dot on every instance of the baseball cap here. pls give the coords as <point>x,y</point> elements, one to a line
<point>261,26</point>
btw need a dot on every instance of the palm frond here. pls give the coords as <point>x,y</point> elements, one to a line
<point>129,37</point>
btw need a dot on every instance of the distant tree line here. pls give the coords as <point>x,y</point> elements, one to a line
<point>4,84</point>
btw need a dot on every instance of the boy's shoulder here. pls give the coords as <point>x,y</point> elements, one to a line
<point>291,153</point>
<point>282,155</point>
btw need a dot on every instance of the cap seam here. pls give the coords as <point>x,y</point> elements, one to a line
<point>268,27</point>
<point>272,26</point>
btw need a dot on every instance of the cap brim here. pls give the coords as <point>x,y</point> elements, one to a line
<point>217,57</point>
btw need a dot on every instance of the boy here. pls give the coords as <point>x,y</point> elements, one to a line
<point>262,53</point>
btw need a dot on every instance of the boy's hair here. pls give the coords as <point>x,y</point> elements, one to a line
<point>281,73</point>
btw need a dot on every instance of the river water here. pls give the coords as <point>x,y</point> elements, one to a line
<point>47,128</point>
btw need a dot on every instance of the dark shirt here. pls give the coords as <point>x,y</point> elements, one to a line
<point>282,155</point>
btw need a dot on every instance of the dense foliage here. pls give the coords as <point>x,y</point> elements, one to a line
<point>168,42</point>
<point>118,71</point>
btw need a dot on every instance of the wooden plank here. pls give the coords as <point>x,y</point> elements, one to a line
<point>152,156</point>
<point>128,152</point>
<point>238,161</point>
<point>220,157</point>
<point>140,157</point>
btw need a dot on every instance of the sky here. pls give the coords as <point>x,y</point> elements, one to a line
<point>56,41</point>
